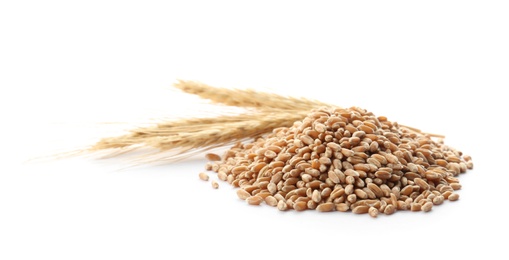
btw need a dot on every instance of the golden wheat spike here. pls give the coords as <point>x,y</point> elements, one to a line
<point>247,98</point>
<point>188,134</point>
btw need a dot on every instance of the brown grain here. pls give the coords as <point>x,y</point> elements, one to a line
<point>281,205</point>
<point>300,205</point>
<point>203,176</point>
<point>389,209</point>
<point>254,200</point>
<point>360,209</point>
<point>373,212</point>
<point>212,157</point>
<point>271,201</point>
<point>427,206</point>
<point>325,207</point>
<point>453,197</point>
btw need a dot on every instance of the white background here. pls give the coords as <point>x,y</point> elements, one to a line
<point>74,71</point>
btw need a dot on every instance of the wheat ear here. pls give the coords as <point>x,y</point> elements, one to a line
<point>185,135</point>
<point>247,98</point>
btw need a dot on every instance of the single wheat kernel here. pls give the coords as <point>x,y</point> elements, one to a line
<point>438,200</point>
<point>326,192</point>
<point>453,197</point>
<point>427,206</point>
<point>360,209</point>
<point>300,205</point>
<point>203,176</point>
<point>415,206</point>
<point>325,207</point>
<point>446,188</point>
<point>384,175</point>
<point>270,154</point>
<point>361,194</point>
<point>421,183</point>
<point>272,188</point>
<point>386,190</point>
<point>334,177</point>
<point>349,189</point>
<point>230,179</point>
<point>389,209</point>
<point>222,176</point>
<point>352,198</point>
<point>373,212</point>
<point>401,205</point>
<point>419,198</point>
<point>212,157</point>
<point>311,204</point>
<point>407,190</point>
<point>254,200</point>
<point>446,194</point>
<point>279,197</point>
<point>271,201</point>
<point>455,186</point>
<point>343,207</point>
<point>393,200</point>
<point>470,165</point>
<point>281,205</point>
<point>250,188</point>
<point>215,185</point>
<point>242,194</point>
<point>208,166</point>
<point>375,189</point>
<point>263,194</point>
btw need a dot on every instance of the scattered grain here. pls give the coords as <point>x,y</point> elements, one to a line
<point>203,176</point>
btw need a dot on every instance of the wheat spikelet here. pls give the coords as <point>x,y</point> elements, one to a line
<point>247,98</point>
<point>188,134</point>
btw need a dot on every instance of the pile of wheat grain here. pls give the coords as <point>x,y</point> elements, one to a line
<point>327,159</point>
<point>344,160</point>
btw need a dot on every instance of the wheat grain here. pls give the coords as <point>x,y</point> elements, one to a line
<point>373,212</point>
<point>305,167</point>
<point>325,207</point>
<point>453,197</point>
<point>212,157</point>
<point>203,176</point>
<point>254,200</point>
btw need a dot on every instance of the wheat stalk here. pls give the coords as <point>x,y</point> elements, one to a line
<point>188,138</point>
